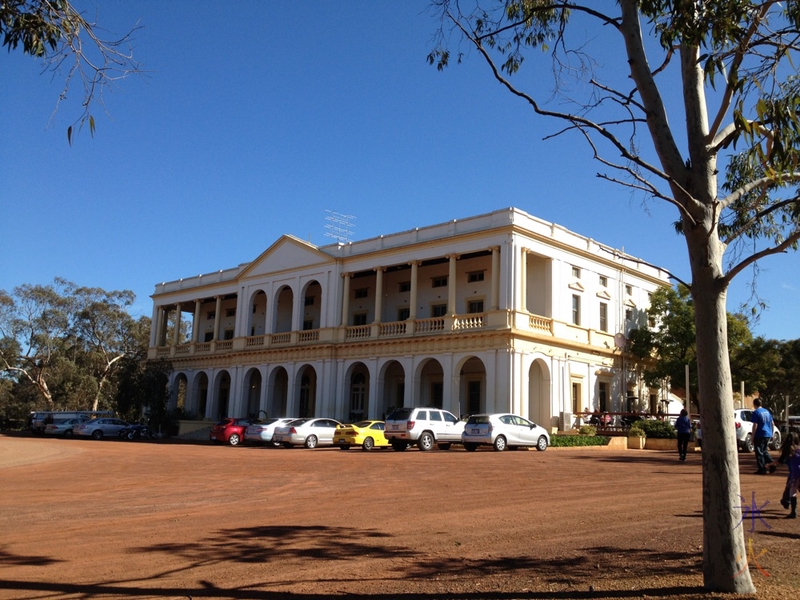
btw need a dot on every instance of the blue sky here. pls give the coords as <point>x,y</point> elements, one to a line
<point>254,118</point>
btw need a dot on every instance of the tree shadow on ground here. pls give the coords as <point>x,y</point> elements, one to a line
<point>564,577</point>
<point>7,559</point>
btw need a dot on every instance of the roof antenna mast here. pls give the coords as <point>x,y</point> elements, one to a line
<point>339,226</point>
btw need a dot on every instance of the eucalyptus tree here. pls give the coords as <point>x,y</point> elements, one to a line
<point>666,94</point>
<point>58,34</point>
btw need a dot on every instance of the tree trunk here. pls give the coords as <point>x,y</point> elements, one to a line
<point>725,557</point>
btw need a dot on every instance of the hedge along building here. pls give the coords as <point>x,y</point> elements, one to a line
<point>497,312</point>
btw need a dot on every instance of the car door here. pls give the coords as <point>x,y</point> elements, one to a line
<point>451,431</point>
<point>526,431</point>
<point>512,430</point>
<point>324,430</point>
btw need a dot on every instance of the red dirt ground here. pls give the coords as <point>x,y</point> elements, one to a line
<point>88,519</point>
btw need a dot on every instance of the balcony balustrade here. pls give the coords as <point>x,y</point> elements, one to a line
<point>398,329</point>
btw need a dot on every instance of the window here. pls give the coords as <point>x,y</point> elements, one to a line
<point>576,272</point>
<point>309,324</point>
<point>651,322</point>
<point>439,310</point>
<point>404,286</point>
<point>403,314</point>
<point>629,290</point>
<point>602,392</point>
<point>603,316</point>
<point>231,312</point>
<point>212,314</point>
<point>475,276</point>
<point>361,293</point>
<point>309,301</point>
<point>475,306</point>
<point>228,335</point>
<point>629,314</point>
<point>603,281</point>
<point>360,319</point>
<point>439,282</point>
<point>254,308</point>
<point>576,310</point>
<point>209,336</point>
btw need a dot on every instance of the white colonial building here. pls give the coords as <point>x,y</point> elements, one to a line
<point>499,312</point>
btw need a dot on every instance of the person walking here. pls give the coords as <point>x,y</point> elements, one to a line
<point>762,435</point>
<point>790,456</point>
<point>684,426</point>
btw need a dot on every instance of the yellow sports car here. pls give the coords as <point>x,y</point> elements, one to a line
<point>367,434</point>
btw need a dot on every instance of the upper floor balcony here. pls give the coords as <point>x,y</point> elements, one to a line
<point>519,323</point>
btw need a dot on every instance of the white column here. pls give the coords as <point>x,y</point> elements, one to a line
<point>412,301</point>
<point>154,329</point>
<point>217,310</point>
<point>345,299</point>
<point>495,296</point>
<point>523,280</point>
<point>451,286</point>
<point>379,294</point>
<point>196,322</point>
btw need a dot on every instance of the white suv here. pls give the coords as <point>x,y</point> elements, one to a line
<point>744,431</point>
<point>423,427</point>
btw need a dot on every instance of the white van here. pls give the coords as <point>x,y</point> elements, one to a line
<point>38,420</point>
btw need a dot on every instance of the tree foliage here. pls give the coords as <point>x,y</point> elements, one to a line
<point>666,94</point>
<point>61,344</point>
<point>61,36</point>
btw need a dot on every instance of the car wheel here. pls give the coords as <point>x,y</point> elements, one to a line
<point>541,443</point>
<point>500,443</point>
<point>470,447</point>
<point>130,435</point>
<point>399,446</point>
<point>444,446</point>
<point>776,440</point>
<point>747,445</point>
<point>97,434</point>
<point>234,439</point>
<point>368,444</point>
<point>426,441</point>
<point>311,441</point>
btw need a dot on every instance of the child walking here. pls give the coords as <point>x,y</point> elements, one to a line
<point>790,456</point>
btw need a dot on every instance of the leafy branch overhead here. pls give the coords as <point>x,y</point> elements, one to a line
<point>55,32</point>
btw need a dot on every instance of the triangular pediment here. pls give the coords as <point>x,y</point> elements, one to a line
<point>604,295</point>
<point>576,285</point>
<point>288,253</point>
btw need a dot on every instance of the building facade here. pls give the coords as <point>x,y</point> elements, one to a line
<point>498,312</point>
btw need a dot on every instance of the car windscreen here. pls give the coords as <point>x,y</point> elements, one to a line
<point>400,414</point>
<point>478,420</point>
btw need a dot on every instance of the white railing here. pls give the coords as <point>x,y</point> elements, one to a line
<point>358,332</point>
<point>429,325</point>
<point>389,329</point>
<point>280,338</point>
<point>311,335</point>
<point>255,341</point>
<point>224,344</point>
<point>202,347</point>
<point>472,321</point>
<point>540,323</point>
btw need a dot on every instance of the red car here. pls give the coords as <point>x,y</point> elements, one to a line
<point>230,431</point>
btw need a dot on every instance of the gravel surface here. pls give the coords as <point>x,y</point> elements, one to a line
<point>111,519</point>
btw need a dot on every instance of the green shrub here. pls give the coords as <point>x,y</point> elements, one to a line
<point>587,430</point>
<point>636,431</point>
<point>565,441</point>
<point>656,429</point>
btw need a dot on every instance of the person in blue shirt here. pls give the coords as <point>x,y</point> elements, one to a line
<point>684,427</point>
<point>762,435</point>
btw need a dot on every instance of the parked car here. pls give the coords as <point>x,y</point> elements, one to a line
<point>367,434</point>
<point>261,433</point>
<point>97,429</point>
<point>744,431</point>
<point>306,432</point>
<point>63,428</point>
<point>424,427</point>
<point>503,430</point>
<point>230,431</point>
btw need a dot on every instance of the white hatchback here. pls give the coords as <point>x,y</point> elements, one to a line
<point>262,433</point>
<point>503,430</point>
<point>306,432</point>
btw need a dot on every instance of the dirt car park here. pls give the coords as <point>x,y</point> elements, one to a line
<point>111,519</point>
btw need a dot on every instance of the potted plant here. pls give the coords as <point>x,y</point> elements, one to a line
<point>636,438</point>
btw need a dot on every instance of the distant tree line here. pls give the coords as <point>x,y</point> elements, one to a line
<point>68,347</point>
<point>768,368</point>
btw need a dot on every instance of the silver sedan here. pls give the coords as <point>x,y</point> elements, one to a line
<point>261,433</point>
<point>306,432</point>
<point>503,430</point>
<point>97,429</point>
